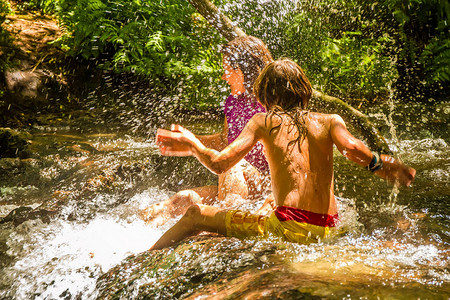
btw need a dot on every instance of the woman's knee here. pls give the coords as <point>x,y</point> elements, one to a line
<point>187,197</point>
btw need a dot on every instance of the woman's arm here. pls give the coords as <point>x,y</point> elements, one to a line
<point>390,168</point>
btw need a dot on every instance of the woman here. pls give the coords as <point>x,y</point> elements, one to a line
<point>243,59</point>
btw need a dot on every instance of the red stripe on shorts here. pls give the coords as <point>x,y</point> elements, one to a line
<point>286,213</point>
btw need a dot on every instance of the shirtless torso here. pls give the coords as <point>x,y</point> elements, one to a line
<point>302,179</point>
<point>295,173</point>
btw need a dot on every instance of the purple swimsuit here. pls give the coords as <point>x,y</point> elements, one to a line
<point>238,111</point>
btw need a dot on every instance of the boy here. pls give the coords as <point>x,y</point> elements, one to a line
<point>299,149</point>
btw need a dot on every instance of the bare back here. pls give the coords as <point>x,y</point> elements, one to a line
<point>300,178</point>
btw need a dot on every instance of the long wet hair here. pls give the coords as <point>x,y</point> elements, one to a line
<point>283,89</point>
<point>250,55</point>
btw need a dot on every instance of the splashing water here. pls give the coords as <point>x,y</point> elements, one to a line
<point>406,244</point>
<point>399,243</point>
<point>66,258</point>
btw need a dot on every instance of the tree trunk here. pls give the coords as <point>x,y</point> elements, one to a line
<point>217,19</point>
<point>328,104</point>
<point>320,101</point>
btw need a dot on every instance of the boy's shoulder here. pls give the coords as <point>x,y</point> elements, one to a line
<point>324,118</point>
<point>261,117</point>
<point>325,123</point>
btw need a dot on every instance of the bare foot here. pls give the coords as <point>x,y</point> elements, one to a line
<point>151,212</point>
<point>157,221</point>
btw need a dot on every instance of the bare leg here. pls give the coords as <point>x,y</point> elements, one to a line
<point>231,192</point>
<point>158,213</point>
<point>245,181</point>
<point>241,183</point>
<point>196,219</point>
<point>258,184</point>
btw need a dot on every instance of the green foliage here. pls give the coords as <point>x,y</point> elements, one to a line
<point>356,66</point>
<point>330,39</point>
<point>424,28</point>
<point>5,38</point>
<point>165,41</point>
<point>341,51</point>
<point>5,9</point>
<point>355,48</point>
<point>436,59</point>
<point>349,48</point>
<point>46,6</point>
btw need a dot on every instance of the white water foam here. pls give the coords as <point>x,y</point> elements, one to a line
<point>65,259</point>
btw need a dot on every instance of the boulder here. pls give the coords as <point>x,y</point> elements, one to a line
<point>24,84</point>
<point>14,143</point>
<point>25,213</point>
<point>195,263</point>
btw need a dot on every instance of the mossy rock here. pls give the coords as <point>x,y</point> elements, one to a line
<point>25,213</point>
<point>14,143</point>
<point>178,272</point>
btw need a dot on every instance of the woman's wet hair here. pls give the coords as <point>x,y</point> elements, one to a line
<point>283,89</point>
<point>250,55</point>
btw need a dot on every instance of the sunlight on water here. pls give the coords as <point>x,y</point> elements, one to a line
<point>368,259</point>
<point>124,143</point>
<point>394,238</point>
<point>429,151</point>
<point>66,258</point>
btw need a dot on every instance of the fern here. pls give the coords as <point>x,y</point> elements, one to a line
<point>436,59</point>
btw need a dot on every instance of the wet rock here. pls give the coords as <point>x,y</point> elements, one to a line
<point>193,264</point>
<point>19,174</point>
<point>100,183</point>
<point>10,166</point>
<point>274,282</point>
<point>212,267</point>
<point>403,224</point>
<point>24,84</point>
<point>48,210</point>
<point>57,201</point>
<point>30,88</point>
<point>14,143</point>
<point>25,213</point>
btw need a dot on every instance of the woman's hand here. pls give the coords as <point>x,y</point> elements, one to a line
<point>176,142</point>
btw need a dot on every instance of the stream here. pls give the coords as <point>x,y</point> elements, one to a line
<point>85,190</point>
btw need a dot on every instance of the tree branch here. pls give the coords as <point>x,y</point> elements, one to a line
<point>217,19</point>
<point>372,136</point>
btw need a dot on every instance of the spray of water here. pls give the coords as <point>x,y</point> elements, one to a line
<point>66,258</point>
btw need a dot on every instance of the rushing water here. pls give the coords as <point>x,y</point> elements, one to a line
<point>394,239</point>
<point>395,243</point>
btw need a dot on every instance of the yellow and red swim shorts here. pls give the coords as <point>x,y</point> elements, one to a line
<point>291,224</point>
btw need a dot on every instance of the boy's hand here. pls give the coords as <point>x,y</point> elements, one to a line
<point>396,172</point>
<point>177,142</point>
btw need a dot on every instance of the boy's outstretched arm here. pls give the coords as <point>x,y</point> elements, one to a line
<point>181,142</point>
<point>217,141</point>
<point>389,168</point>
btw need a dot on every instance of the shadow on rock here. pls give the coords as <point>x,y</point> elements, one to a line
<point>14,143</point>
<point>178,272</point>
